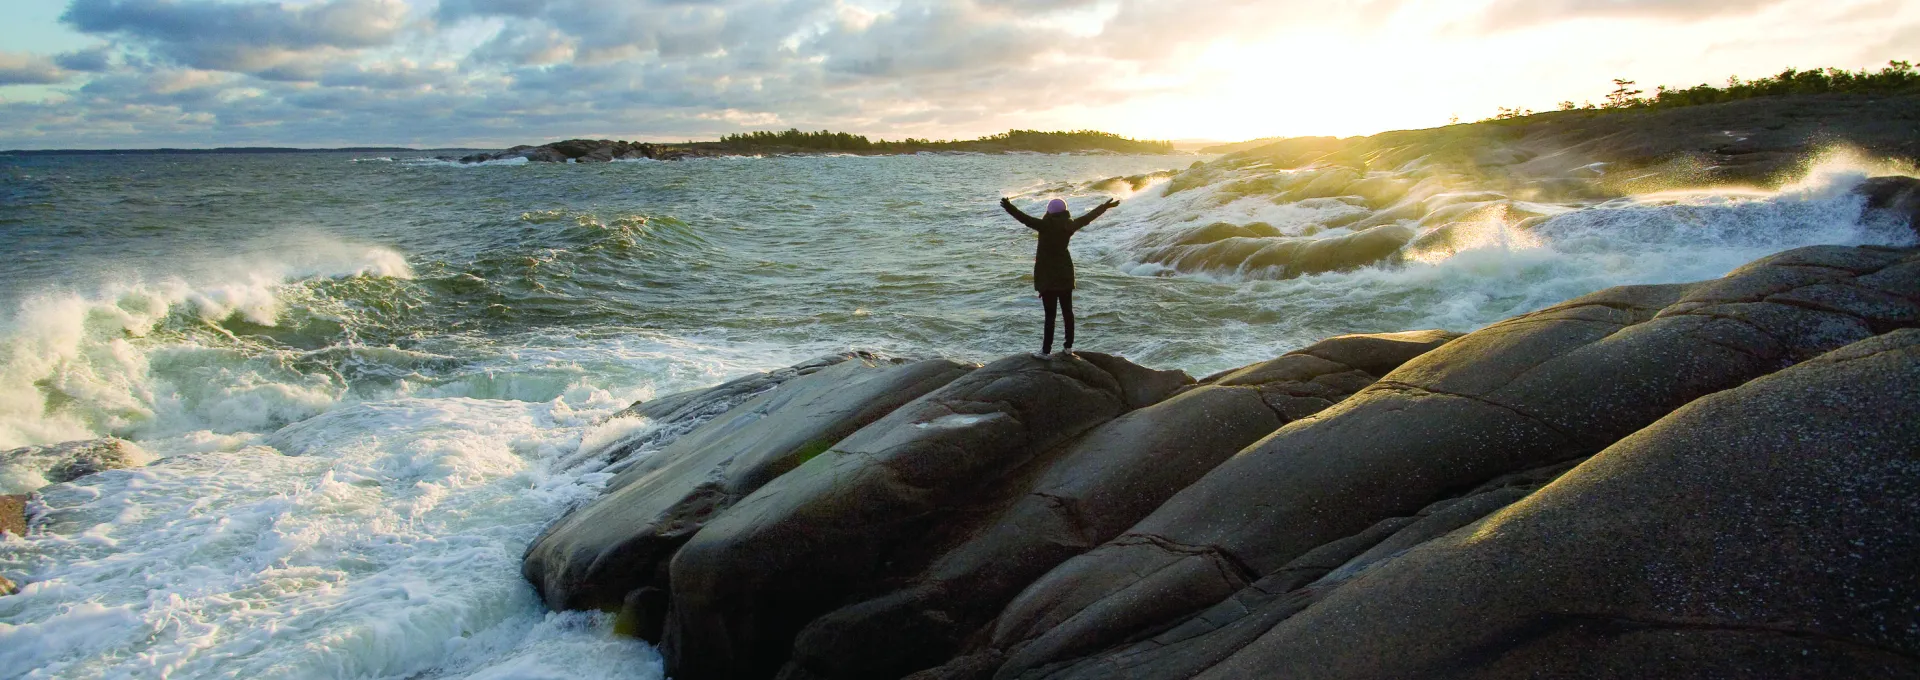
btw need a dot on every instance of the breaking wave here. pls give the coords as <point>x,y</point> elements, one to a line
<point>1248,219</point>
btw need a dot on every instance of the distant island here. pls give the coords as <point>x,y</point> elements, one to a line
<point>794,141</point>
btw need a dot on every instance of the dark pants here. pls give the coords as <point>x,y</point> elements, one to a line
<point>1064,299</point>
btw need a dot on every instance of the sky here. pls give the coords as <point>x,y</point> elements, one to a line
<point>489,73</point>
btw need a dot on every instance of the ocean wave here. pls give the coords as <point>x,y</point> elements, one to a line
<point>1253,220</point>
<point>382,536</point>
<point>377,535</point>
<point>82,365</point>
<point>446,163</point>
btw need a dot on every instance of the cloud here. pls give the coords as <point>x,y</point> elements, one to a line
<point>469,71</point>
<point>527,44</point>
<point>935,38</point>
<point>396,75</point>
<point>241,36</point>
<point>614,29</point>
<point>92,60</point>
<point>1512,14</point>
<point>18,68</point>
<point>498,72</point>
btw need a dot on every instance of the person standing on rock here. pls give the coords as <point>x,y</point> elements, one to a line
<point>1052,264</point>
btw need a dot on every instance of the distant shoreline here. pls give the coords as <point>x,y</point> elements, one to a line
<point>218,150</point>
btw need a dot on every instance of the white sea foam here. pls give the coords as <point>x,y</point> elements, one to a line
<point>444,163</point>
<point>378,534</point>
<point>378,538</point>
<point>80,365</point>
<point>1494,269</point>
<point>1663,236</point>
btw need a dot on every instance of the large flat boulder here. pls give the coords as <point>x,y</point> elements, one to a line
<point>1761,532</point>
<point>1080,495</point>
<point>1896,195</point>
<point>1230,249</point>
<point>1551,386</point>
<point>674,415</point>
<point>601,554</point>
<point>813,538</point>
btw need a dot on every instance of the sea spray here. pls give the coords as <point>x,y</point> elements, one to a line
<point>1505,257</point>
<point>77,366</point>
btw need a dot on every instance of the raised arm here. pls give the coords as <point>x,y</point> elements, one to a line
<point>1093,214</point>
<point>1024,218</point>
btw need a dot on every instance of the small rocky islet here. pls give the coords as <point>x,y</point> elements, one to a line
<point>1652,481</point>
<point>584,151</point>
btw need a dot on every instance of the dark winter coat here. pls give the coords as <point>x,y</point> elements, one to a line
<point>1052,264</point>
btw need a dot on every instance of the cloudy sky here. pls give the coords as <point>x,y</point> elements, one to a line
<point>139,73</point>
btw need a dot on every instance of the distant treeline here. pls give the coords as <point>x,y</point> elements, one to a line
<point>1011,140</point>
<point>1899,77</point>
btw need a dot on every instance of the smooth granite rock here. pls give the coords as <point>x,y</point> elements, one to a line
<point>1080,495</point>
<point>596,556</point>
<point>1712,479</point>
<point>1494,402</point>
<point>797,547</point>
<point>1761,532</point>
<point>674,415</point>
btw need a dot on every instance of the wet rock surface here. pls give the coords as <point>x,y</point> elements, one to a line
<point>1690,514</point>
<point>13,514</point>
<point>596,556</point>
<point>1898,196</point>
<point>1715,477</point>
<point>672,416</point>
<point>747,583</point>
<point>1082,493</point>
<point>68,461</point>
<point>1539,389</point>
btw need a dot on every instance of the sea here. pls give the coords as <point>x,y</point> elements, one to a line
<point>354,377</point>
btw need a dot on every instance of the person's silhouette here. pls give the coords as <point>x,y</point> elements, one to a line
<point>1052,264</point>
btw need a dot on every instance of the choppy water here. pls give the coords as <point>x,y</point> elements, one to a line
<point>357,373</point>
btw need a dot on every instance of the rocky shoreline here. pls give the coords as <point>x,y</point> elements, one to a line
<point>1650,481</point>
<point>1427,194</point>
